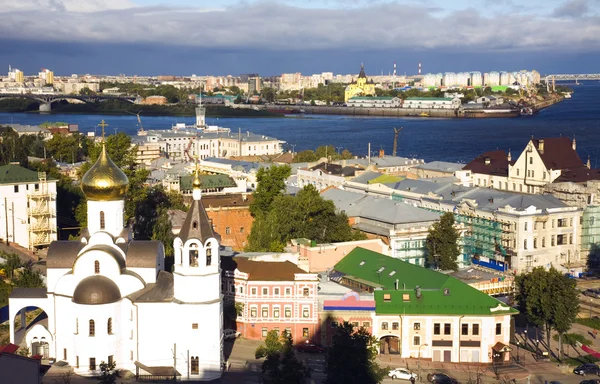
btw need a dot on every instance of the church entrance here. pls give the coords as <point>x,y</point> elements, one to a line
<point>29,330</point>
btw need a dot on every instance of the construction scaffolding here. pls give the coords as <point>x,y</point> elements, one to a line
<point>590,235</point>
<point>41,208</point>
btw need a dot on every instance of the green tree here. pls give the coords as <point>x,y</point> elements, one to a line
<point>268,94</point>
<point>549,300</point>
<point>12,263</point>
<point>352,357</point>
<point>442,243</point>
<point>108,373</point>
<point>307,156</point>
<point>234,90</point>
<point>87,92</point>
<point>281,366</point>
<point>271,183</point>
<point>29,278</point>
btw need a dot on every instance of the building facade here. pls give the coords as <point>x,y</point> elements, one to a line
<point>374,102</point>
<point>431,103</point>
<point>360,87</point>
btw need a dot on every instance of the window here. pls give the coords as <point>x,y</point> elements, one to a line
<point>194,325</point>
<point>194,365</point>
<point>532,173</point>
<point>355,324</point>
<point>531,160</point>
<point>208,256</point>
<point>276,312</point>
<point>96,267</point>
<point>535,224</point>
<point>288,331</point>
<point>436,329</point>
<point>475,329</point>
<point>535,243</point>
<point>305,292</point>
<point>241,229</point>
<point>544,176</point>
<point>553,222</point>
<point>102,221</point>
<point>265,331</point>
<point>305,333</point>
<point>543,225</point>
<point>552,240</point>
<point>36,187</point>
<point>253,311</point>
<point>543,242</point>
<point>562,223</point>
<point>366,324</point>
<point>464,329</point>
<point>109,326</point>
<point>387,297</point>
<point>570,238</point>
<point>525,244</point>
<point>253,291</point>
<point>16,189</point>
<point>288,312</point>
<point>384,326</point>
<point>417,340</point>
<point>525,226</point>
<point>517,171</point>
<point>92,363</point>
<point>417,326</point>
<point>227,230</point>
<point>265,291</point>
<point>111,358</point>
<point>395,326</point>
<point>288,291</point>
<point>92,328</point>
<point>265,311</point>
<point>305,312</point>
<point>447,328</point>
<point>498,328</point>
<point>276,291</point>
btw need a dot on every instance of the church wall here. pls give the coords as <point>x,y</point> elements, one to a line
<point>196,289</point>
<point>53,275</point>
<point>148,274</point>
<point>84,265</point>
<point>113,216</point>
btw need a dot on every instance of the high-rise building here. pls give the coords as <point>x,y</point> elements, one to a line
<point>17,76</point>
<point>254,85</point>
<point>46,75</point>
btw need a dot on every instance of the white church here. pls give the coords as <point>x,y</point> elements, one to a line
<point>109,299</point>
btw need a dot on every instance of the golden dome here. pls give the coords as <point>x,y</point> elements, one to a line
<point>196,182</point>
<point>104,181</point>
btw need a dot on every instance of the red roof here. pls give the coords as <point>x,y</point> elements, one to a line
<point>262,270</point>
<point>8,348</point>
<point>579,175</point>
<point>558,153</point>
<point>490,163</point>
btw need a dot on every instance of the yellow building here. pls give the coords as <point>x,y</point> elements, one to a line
<point>19,78</point>
<point>360,87</point>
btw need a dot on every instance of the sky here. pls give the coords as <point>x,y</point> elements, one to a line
<point>271,37</point>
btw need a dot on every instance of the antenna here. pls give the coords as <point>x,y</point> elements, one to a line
<point>419,68</point>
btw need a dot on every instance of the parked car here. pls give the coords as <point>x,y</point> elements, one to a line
<point>595,293</point>
<point>441,378</point>
<point>310,348</point>
<point>229,334</point>
<point>402,374</point>
<point>587,369</point>
<point>593,381</point>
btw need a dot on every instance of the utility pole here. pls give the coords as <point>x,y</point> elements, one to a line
<point>175,363</point>
<point>6,217</point>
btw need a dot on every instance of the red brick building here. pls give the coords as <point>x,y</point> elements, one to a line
<point>275,295</point>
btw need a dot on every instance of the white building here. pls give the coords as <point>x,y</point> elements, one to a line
<point>431,103</point>
<point>27,207</point>
<point>109,298</point>
<point>375,102</point>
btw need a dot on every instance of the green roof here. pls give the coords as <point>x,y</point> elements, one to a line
<point>15,174</point>
<point>359,98</point>
<point>385,179</point>
<point>440,294</point>
<point>431,98</point>
<point>207,182</point>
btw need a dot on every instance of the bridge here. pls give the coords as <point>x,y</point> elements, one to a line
<point>577,77</point>
<point>46,100</point>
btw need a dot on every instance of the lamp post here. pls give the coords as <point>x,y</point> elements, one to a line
<point>419,362</point>
<point>526,340</point>
<point>537,342</point>
<point>518,344</point>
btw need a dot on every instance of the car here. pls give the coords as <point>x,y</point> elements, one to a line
<point>310,348</point>
<point>441,378</point>
<point>593,381</point>
<point>402,374</point>
<point>587,369</point>
<point>229,334</point>
<point>592,293</point>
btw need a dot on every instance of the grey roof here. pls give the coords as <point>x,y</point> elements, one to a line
<point>62,253</point>
<point>96,290</point>
<point>142,254</point>
<point>239,165</point>
<point>422,186</point>
<point>161,291</point>
<point>244,137</point>
<point>196,224</point>
<point>28,293</point>
<point>385,161</point>
<point>366,177</point>
<point>441,166</point>
<point>19,128</point>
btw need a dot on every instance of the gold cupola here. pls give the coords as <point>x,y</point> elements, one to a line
<point>104,181</point>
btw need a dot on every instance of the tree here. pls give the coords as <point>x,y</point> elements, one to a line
<point>271,183</point>
<point>108,373</point>
<point>549,300</point>
<point>12,263</point>
<point>352,357</point>
<point>86,92</point>
<point>268,94</point>
<point>442,243</point>
<point>281,366</point>
<point>306,156</point>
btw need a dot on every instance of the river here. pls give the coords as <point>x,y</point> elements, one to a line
<point>455,140</point>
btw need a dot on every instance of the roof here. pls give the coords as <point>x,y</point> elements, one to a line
<point>366,177</point>
<point>362,72</point>
<point>96,290</point>
<point>430,98</point>
<point>497,163</point>
<point>15,174</point>
<point>440,294</point>
<point>197,224</point>
<point>28,293</point>
<point>385,179</point>
<point>558,153</point>
<point>579,175</point>
<point>262,270</point>
<point>207,182</point>
<point>161,291</point>
<point>441,166</point>
<point>367,98</point>
<point>142,254</point>
<point>62,253</point>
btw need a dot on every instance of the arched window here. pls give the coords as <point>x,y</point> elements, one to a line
<point>208,256</point>
<point>195,225</point>
<point>193,252</point>
<point>194,365</point>
<point>102,223</point>
<point>96,267</point>
<point>109,326</point>
<point>92,328</point>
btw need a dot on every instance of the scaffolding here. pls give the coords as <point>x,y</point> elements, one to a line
<point>590,235</point>
<point>41,209</point>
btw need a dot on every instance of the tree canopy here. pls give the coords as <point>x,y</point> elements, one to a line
<point>271,183</point>
<point>442,244</point>
<point>352,357</point>
<point>324,151</point>
<point>281,366</point>
<point>549,299</point>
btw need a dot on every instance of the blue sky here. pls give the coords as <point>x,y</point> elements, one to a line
<point>185,37</point>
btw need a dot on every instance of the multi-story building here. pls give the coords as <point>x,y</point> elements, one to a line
<point>27,207</point>
<point>254,85</point>
<point>47,76</point>
<point>374,102</point>
<point>271,295</point>
<point>431,103</point>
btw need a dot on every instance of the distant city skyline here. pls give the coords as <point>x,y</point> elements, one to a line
<point>184,37</point>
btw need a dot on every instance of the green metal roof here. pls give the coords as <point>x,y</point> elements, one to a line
<point>359,98</point>
<point>385,179</point>
<point>440,294</point>
<point>15,174</point>
<point>430,98</point>
<point>207,182</point>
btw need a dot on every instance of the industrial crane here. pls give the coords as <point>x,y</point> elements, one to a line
<point>141,131</point>
<point>396,132</point>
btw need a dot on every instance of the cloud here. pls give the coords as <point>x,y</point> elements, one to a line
<point>280,27</point>
<point>572,8</point>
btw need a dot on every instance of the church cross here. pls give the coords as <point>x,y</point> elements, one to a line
<point>103,124</point>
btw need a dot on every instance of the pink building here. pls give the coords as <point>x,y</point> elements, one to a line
<point>350,308</point>
<point>322,257</point>
<point>271,295</point>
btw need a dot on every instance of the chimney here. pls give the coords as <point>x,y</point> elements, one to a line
<point>574,144</point>
<point>509,157</point>
<point>418,291</point>
<point>541,146</point>
<point>589,164</point>
<point>396,284</point>
<point>381,153</point>
<point>488,161</point>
